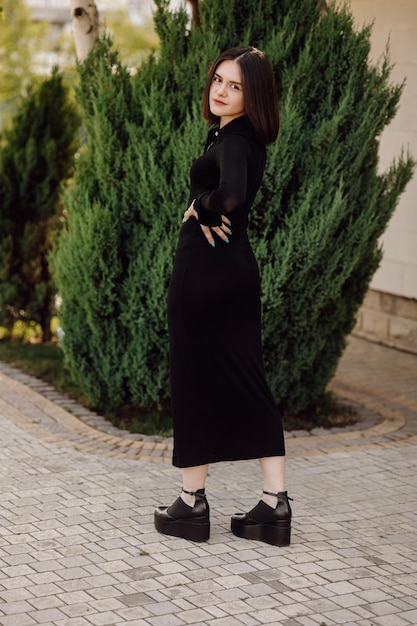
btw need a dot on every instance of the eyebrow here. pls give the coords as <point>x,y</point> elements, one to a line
<point>236,82</point>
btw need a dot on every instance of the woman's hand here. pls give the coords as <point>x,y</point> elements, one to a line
<point>221,231</point>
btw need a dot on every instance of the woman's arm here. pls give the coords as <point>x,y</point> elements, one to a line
<point>230,194</point>
<point>222,231</point>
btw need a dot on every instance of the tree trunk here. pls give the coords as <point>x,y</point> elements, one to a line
<point>84,17</point>
<point>46,330</point>
<point>195,12</point>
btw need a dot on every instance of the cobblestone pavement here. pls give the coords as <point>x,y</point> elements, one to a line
<point>78,546</point>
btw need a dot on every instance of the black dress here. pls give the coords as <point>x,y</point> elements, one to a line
<point>222,407</point>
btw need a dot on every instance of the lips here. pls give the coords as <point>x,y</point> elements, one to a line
<point>219,102</point>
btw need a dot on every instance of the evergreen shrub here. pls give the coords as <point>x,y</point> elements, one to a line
<point>36,158</point>
<point>317,219</point>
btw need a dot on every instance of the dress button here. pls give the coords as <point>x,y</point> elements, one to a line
<point>216,133</point>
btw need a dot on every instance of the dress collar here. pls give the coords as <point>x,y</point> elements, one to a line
<point>239,123</point>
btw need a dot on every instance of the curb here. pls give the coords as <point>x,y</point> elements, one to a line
<point>386,420</point>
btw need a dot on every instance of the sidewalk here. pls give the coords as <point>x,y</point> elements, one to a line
<point>78,546</point>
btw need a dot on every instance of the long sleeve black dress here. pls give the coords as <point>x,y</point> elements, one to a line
<point>222,407</point>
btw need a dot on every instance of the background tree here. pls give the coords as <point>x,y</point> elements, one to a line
<point>36,156</point>
<point>134,42</point>
<point>315,225</point>
<point>85,25</point>
<point>20,38</point>
<point>195,12</point>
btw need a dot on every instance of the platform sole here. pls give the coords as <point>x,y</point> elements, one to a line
<point>274,534</point>
<point>197,529</point>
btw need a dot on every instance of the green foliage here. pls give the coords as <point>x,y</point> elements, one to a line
<point>319,252</point>
<point>20,39</point>
<point>35,158</point>
<point>134,42</point>
<point>317,219</point>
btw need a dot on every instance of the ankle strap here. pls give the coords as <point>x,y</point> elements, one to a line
<point>280,494</point>
<point>199,492</point>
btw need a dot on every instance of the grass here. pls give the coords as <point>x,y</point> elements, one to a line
<point>136,420</point>
<point>46,361</point>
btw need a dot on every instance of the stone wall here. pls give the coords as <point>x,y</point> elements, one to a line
<point>388,319</point>
<point>384,317</point>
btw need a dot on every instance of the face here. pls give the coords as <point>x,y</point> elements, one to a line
<point>226,95</point>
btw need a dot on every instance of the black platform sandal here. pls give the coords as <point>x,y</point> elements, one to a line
<point>182,520</point>
<point>264,523</point>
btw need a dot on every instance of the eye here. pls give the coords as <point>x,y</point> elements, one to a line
<point>216,79</point>
<point>234,86</point>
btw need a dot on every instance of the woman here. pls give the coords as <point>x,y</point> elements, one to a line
<point>221,405</point>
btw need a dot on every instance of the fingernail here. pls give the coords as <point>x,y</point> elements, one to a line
<point>183,221</point>
<point>227,240</point>
<point>212,244</point>
<point>229,232</point>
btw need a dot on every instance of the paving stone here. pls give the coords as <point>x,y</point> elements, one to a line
<point>166,620</point>
<point>410,615</point>
<point>78,547</point>
<point>248,620</point>
<point>18,619</point>
<point>46,602</point>
<point>391,620</point>
<point>162,608</point>
<point>269,616</point>
<point>195,616</point>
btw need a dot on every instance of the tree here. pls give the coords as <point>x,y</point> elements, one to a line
<point>84,18</point>
<point>134,42</point>
<point>195,12</point>
<point>317,219</point>
<point>36,156</point>
<point>20,38</point>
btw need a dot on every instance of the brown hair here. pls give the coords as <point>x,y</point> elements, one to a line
<point>259,90</point>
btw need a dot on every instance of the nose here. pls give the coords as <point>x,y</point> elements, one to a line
<point>221,89</point>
